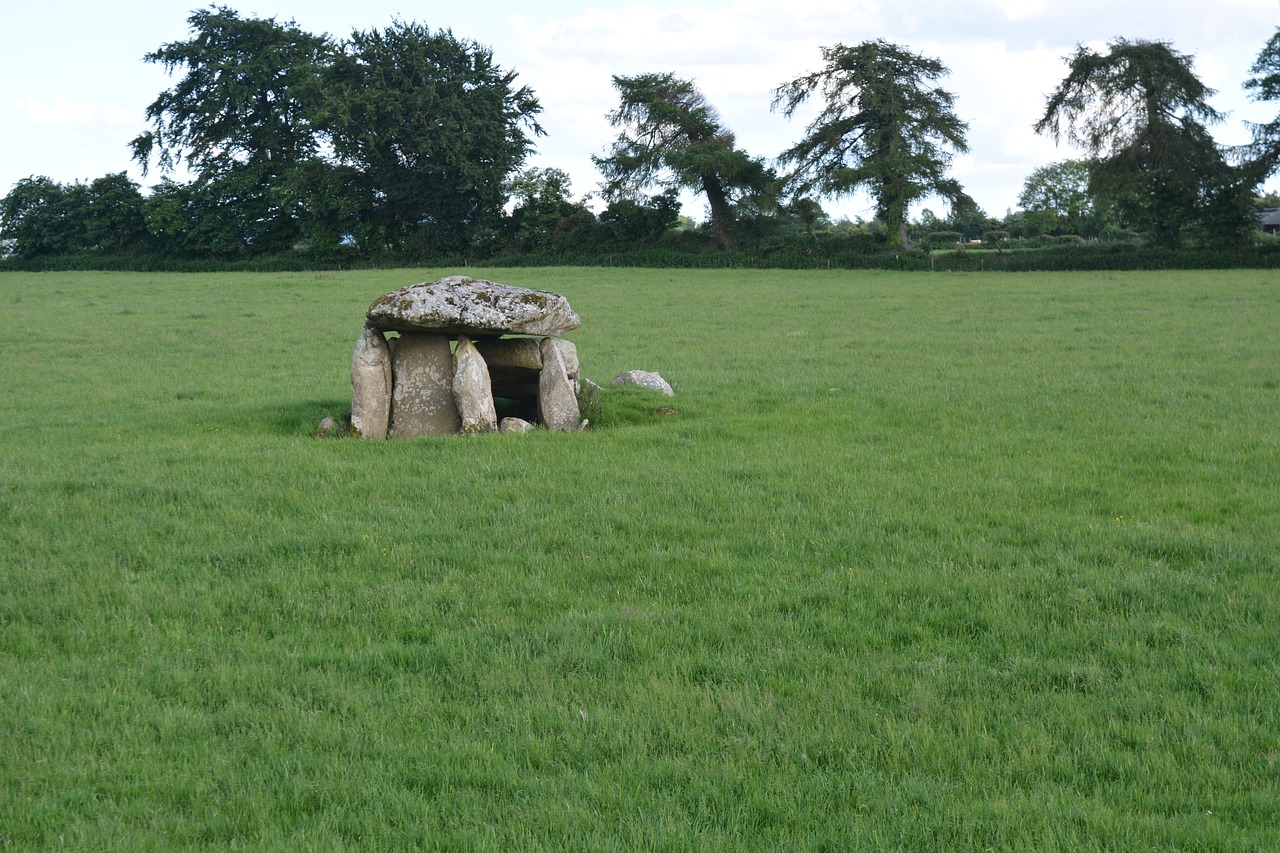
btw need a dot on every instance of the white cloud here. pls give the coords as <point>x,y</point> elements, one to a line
<point>64,112</point>
<point>1022,10</point>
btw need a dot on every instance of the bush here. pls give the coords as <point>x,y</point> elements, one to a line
<point>695,249</point>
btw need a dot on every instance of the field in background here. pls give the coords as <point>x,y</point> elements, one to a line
<point>922,562</point>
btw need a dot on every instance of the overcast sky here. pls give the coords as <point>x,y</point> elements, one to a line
<point>74,87</point>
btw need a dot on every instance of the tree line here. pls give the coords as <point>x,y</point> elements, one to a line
<point>411,144</point>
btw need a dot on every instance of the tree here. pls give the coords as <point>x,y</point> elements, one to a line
<point>884,127</point>
<point>1141,114</point>
<point>1265,86</point>
<point>42,217</point>
<point>192,220</point>
<point>37,218</point>
<point>542,207</point>
<point>1057,200</point>
<point>809,213</point>
<point>673,138</point>
<point>969,220</point>
<point>115,219</point>
<point>430,128</point>
<point>242,117</point>
<point>635,221</point>
<point>395,136</point>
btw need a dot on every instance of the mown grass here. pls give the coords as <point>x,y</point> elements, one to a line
<point>921,562</point>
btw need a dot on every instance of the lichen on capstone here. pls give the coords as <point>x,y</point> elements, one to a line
<point>461,305</point>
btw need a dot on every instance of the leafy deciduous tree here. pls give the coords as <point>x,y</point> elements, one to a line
<point>1057,200</point>
<point>241,117</point>
<point>884,127</point>
<point>431,128</point>
<point>192,220</point>
<point>395,136</point>
<point>631,220</point>
<point>969,219</point>
<point>673,138</point>
<point>42,217</point>
<point>542,207</point>
<point>809,213</point>
<point>115,219</point>
<point>36,219</point>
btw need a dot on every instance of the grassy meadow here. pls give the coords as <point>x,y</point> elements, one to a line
<point>921,562</point>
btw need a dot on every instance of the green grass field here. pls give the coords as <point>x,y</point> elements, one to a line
<point>922,562</point>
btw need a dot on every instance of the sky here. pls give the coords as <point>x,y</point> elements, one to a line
<point>74,87</point>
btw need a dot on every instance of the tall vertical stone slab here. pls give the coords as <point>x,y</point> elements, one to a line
<point>472,390</point>
<point>422,396</point>
<point>371,385</point>
<point>569,354</point>
<point>557,401</point>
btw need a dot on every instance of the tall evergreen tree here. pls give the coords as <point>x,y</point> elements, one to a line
<point>1141,113</point>
<point>1265,86</point>
<point>884,127</point>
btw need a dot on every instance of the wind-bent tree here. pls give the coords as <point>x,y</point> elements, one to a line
<point>673,139</point>
<point>429,128</point>
<point>884,127</point>
<point>241,118</point>
<point>1142,114</point>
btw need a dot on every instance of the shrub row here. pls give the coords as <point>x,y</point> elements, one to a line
<point>841,254</point>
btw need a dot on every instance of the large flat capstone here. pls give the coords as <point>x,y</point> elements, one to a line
<point>460,305</point>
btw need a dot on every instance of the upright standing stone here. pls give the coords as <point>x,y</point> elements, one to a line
<point>371,385</point>
<point>472,391</point>
<point>568,354</point>
<point>422,402</point>
<point>557,402</point>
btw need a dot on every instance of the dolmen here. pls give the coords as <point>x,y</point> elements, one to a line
<point>434,356</point>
